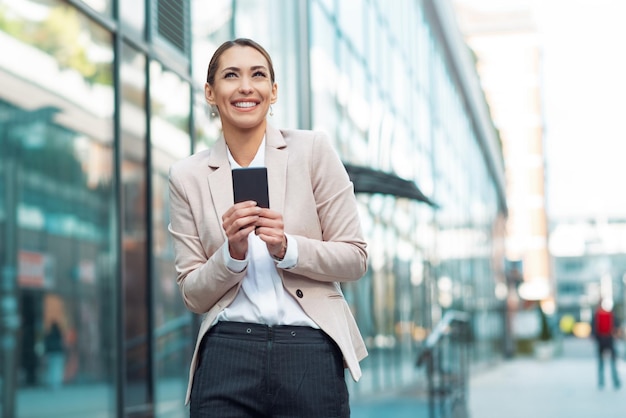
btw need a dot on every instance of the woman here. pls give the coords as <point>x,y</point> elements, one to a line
<point>55,356</point>
<point>276,332</point>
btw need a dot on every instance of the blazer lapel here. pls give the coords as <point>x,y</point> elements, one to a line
<point>220,179</point>
<point>276,157</point>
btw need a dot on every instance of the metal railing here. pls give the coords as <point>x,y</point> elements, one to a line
<point>446,357</point>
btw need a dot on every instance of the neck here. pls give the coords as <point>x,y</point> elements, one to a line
<point>244,143</point>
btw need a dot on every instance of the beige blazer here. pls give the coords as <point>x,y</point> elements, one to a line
<point>309,185</point>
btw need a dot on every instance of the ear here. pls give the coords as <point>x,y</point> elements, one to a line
<point>209,94</point>
<point>274,97</point>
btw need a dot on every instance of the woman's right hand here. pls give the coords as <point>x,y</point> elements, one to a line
<point>238,222</point>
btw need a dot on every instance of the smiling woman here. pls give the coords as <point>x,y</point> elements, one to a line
<point>266,279</point>
<point>241,86</point>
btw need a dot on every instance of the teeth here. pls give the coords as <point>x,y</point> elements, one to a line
<point>245,104</point>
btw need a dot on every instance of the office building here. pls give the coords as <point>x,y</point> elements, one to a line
<point>505,39</point>
<point>99,97</point>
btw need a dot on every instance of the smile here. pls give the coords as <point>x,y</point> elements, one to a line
<point>245,105</point>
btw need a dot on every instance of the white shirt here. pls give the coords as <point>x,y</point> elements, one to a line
<point>262,298</point>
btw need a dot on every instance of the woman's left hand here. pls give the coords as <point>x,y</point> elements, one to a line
<point>270,228</point>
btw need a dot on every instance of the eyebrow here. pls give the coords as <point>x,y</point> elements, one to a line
<point>253,68</point>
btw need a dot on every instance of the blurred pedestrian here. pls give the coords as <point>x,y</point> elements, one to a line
<point>54,347</point>
<point>276,332</point>
<point>605,327</point>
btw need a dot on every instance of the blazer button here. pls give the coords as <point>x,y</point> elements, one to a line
<point>299,293</point>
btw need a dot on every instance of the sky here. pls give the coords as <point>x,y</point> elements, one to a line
<point>584,87</point>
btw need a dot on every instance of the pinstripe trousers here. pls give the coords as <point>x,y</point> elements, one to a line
<point>255,371</point>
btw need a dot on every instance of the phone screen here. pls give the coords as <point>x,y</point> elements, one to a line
<point>251,184</point>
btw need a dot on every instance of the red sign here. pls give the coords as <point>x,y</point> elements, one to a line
<point>31,270</point>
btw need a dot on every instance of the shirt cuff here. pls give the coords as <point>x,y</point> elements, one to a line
<point>236,266</point>
<point>291,254</point>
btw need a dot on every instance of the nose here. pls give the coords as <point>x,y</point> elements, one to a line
<point>246,86</point>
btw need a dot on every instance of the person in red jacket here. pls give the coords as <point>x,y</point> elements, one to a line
<point>605,327</point>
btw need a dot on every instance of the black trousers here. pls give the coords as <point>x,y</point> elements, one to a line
<point>256,371</point>
<point>605,345</point>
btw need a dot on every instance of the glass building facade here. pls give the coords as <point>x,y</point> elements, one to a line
<point>98,98</point>
<point>95,105</point>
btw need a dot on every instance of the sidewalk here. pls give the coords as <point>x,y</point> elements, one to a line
<point>563,387</point>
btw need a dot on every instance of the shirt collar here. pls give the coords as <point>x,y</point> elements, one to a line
<point>257,161</point>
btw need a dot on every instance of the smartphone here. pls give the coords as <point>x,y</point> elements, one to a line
<point>251,184</point>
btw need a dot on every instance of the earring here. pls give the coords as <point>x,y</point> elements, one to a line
<point>213,112</point>
<point>271,111</point>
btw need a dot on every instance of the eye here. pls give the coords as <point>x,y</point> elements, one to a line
<point>230,74</point>
<point>259,73</point>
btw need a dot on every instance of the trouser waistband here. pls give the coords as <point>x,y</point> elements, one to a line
<point>260,332</point>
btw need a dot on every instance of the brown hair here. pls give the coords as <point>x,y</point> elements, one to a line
<point>215,60</point>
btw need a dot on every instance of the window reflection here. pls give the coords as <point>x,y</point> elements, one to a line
<point>103,6</point>
<point>133,14</point>
<point>173,331</point>
<point>56,209</point>
<point>133,172</point>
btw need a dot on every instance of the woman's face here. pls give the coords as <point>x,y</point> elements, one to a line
<point>243,90</point>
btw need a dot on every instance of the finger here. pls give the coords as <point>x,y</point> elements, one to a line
<point>241,209</point>
<point>271,237</point>
<point>275,222</point>
<point>238,217</point>
<point>245,222</point>
<point>270,214</point>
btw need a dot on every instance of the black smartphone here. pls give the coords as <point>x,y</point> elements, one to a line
<point>251,184</point>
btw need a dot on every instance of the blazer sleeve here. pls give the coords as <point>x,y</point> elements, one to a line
<point>202,275</point>
<point>341,254</point>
